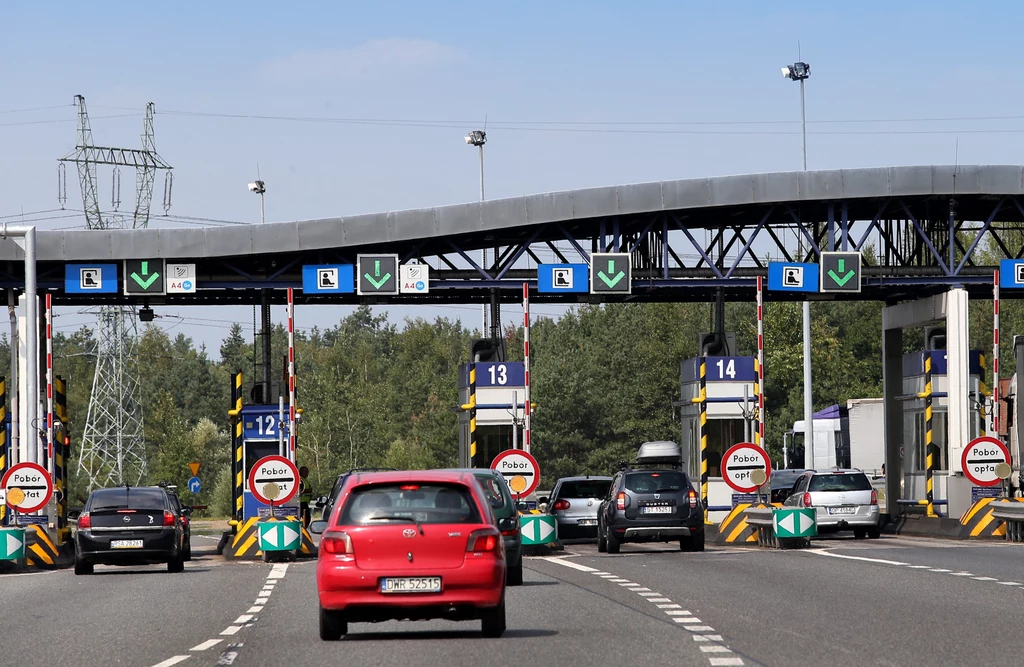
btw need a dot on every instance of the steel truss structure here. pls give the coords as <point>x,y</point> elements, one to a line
<point>912,247</point>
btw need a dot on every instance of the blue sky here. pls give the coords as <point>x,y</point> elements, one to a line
<point>442,67</point>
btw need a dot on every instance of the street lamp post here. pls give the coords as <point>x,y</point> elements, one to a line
<point>801,71</point>
<point>260,188</point>
<point>478,138</point>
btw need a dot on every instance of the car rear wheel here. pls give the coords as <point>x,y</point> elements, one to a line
<point>83,567</point>
<point>860,533</point>
<point>332,625</point>
<point>602,544</point>
<point>493,621</point>
<point>188,552</point>
<point>613,542</point>
<point>874,533</point>
<point>176,564</point>
<point>514,574</point>
<point>692,543</point>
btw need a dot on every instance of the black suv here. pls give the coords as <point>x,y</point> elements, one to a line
<point>326,503</point>
<point>650,503</point>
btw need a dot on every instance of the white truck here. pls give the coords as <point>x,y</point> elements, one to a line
<point>850,437</point>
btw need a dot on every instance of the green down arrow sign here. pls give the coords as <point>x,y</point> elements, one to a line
<point>146,279</point>
<point>845,278</point>
<point>840,271</point>
<point>376,279</point>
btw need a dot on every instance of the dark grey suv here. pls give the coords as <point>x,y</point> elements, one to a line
<point>650,505</point>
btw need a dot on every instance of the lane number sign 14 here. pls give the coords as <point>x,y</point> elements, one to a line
<point>727,369</point>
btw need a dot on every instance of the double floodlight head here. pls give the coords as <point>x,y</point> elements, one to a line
<point>798,71</point>
<point>259,187</point>
<point>476,138</point>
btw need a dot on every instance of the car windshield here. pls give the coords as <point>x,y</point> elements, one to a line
<point>119,499</point>
<point>655,482</point>
<point>840,482</point>
<point>492,489</point>
<point>424,502</point>
<point>591,488</point>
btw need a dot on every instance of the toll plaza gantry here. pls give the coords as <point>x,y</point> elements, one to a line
<point>692,240</point>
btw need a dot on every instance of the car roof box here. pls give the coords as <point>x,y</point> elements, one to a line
<point>661,452</point>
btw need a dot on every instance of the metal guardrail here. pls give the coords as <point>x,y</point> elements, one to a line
<point>1012,514</point>
<point>923,503</point>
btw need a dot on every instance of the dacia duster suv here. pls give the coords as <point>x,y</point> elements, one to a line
<point>653,501</point>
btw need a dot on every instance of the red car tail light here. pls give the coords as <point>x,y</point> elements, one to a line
<point>621,501</point>
<point>561,504</point>
<point>168,518</point>
<point>84,521</point>
<point>693,498</point>
<point>337,544</point>
<point>874,497</point>
<point>807,500</point>
<point>508,533</point>
<point>481,541</point>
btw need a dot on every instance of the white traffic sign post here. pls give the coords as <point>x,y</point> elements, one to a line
<point>740,461</point>
<point>275,470</point>
<point>520,470</point>
<point>33,481</point>
<point>980,459</point>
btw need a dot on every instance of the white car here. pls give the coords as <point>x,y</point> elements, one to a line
<point>843,500</point>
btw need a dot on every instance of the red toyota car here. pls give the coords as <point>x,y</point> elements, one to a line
<point>410,546</point>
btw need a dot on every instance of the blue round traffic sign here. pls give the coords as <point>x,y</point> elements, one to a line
<point>194,485</point>
<point>186,284</point>
<point>419,285</point>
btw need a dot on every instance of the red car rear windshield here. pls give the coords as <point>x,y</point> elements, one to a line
<point>428,502</point>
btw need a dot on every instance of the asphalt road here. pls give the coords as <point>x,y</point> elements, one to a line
<point>845,602</point>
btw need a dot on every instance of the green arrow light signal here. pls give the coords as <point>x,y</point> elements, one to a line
<point>376,279</point>
<point>838,279</point>
<point>613,281</point>
<point>143,281</point>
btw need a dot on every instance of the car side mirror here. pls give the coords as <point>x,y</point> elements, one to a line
<point>508,523</point>
<point>522,506</point>
<point>186,511</point>
<point>321,501</point>
<point>317,527</point>
<point>73,515</point>
<point>543,500</point>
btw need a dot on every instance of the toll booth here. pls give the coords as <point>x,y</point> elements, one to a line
<point>915,401</point>
<point>492,399</point>
<point>264,433</point>
<point>730,407</point>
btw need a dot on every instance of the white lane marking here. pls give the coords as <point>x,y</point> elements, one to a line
<point>640,590</point>
<point>243,619</point>
<point>961,574</point>
<point>686,619</point>
<point>725,662</point>
<point>714,648</point>
<point>650,594</point>
<point>628,584</point>
<point>707,638</point>
<point>255,609</point>
<point>669,606</point>
<point>1009,583</point>
<point>598,572</point>
<point>278,571</point>
<point>209,643</point>
<point>920,567</point>
<point>172,661</point>
<point>609,576</point>
<point>984,578</point>
<point>568,563</point>
<point>658,600</point>
<point>231,629</point>
<point>678,612</point>
<point>822,552</point>
<point>939,569</point>
<point>618,581</point>
<point>699,628</point>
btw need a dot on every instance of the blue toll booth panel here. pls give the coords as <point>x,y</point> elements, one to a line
<point>262,436</point>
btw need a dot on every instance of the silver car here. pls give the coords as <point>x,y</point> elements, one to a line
<point>843,500</point>
<point>574,502</point>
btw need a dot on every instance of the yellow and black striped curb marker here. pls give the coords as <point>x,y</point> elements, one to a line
<point>978,520</point>
<point>40,551</point>
<point>734,528</point>
<point>245,543</point>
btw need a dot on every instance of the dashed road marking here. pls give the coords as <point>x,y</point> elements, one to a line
<point>576,566</point>
<point>822,552</point>
<point>984,578</point>
<point>172,661</point>
<point>1009,583</point>
<point>209,643</point>
<point>939,569</point>
<point>230,630</point>
<point>961,574</point>
<point>255,609</point>
<point>710,644</point>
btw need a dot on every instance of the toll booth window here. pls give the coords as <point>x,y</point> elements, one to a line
<point>722,434</point>
<point>256,450</point>
<point>919,431</point>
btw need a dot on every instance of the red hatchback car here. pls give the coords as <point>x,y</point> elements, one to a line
<point>410,546</point>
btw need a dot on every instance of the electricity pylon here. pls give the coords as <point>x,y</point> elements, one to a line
<point>113,447</point>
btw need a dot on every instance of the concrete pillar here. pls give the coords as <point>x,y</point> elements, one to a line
<point>957,377</point>
<point>892,384</point>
